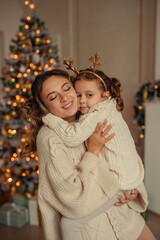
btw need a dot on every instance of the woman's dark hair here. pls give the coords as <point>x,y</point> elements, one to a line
<point>113,84</point>
<point>35,106</point>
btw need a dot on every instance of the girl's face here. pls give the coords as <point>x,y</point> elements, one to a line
<point>88,93</point>
<point>59,97</point>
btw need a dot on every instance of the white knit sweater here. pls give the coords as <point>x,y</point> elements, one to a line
<point>120,152</point>
<point>74,183</point>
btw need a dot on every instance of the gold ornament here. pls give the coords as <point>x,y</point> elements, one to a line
<point>50,50</point>
<point>28,195</point>
<point>13,113</point>
<point>48,41</point>
<point>28,85</point>
<point>7,117</point>
<point>145,94</point>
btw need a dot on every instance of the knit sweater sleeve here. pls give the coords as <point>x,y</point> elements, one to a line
<point>141,202</point>
<point>76,190</point>
<point>76,133</point>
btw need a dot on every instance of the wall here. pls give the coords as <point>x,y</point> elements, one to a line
<point>122,31</point>
<point>152,155</point>
<point>157,45</point>
<point>10,14</point>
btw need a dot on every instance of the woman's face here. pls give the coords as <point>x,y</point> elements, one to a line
<point>59,97</point>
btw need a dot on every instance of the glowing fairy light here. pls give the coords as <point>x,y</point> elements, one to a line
<point>17,85</point>
<point>18,183</point>
<point>26,26</point>
<point>24,90</point>
<point>28,18</point>
<point>10,179</point>
<point>26,2</point>
<point>18,97</point>
<point>25,75</point>
<point>51,60</point>
<point>22,100</point>
<point>35,73</point>
<point>32,5</point>
<point>19,75</point>
<point>14,104</point>
<point>38,31</point>
<point>27,159</point>
<point>32,155</point>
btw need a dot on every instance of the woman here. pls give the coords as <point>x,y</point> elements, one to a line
<point>74,182</point>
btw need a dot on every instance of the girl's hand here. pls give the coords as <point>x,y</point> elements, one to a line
<point>128,197</point>
<point>98,138</point>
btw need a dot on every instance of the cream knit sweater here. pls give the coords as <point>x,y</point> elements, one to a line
<point>120,152</point>
<point>74,183</point>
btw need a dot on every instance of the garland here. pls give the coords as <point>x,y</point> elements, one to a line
<point>147,92</point>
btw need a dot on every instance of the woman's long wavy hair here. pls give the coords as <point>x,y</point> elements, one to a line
<point>36,107</point>
<point>113,85</point>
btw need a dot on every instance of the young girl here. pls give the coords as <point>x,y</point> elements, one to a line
<point>100,99</point>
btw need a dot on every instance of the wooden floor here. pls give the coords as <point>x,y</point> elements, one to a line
<point>29,232</point>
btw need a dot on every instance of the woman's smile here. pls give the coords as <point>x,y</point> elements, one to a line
<point>69,105</point>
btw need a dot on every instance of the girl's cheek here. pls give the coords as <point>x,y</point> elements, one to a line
<point>78,104</point>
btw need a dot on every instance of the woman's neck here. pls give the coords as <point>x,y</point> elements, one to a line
<point>71,119</point>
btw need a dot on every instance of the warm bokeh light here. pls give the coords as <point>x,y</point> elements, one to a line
<point>18,183</point>
<point>26,2</point>
<point>32,6</point>
<point>10,179</point>
<point>14,154</point>
<point>28,18</point>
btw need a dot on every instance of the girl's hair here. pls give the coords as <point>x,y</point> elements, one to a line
<point>36,107</point>
<point>113,85</point>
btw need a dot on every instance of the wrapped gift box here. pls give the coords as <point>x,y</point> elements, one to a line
<point>20,200</point>
<point>13,215</point>
<point>34,212</point>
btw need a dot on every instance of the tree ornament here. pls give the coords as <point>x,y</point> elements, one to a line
<point>7,89</point>
<point>22,68</point>
<point>145,94</point>
<point>21,28</point>
<point>50,50</point>
<point>35,58</point>
<point>7,117</point>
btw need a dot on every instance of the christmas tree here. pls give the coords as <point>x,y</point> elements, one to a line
<point>31,53</point>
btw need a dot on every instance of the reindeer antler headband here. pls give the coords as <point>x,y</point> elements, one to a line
<point>95,61</point>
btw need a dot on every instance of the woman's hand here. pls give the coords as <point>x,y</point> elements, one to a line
<point>128,197</point>
<point>98,138</point>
